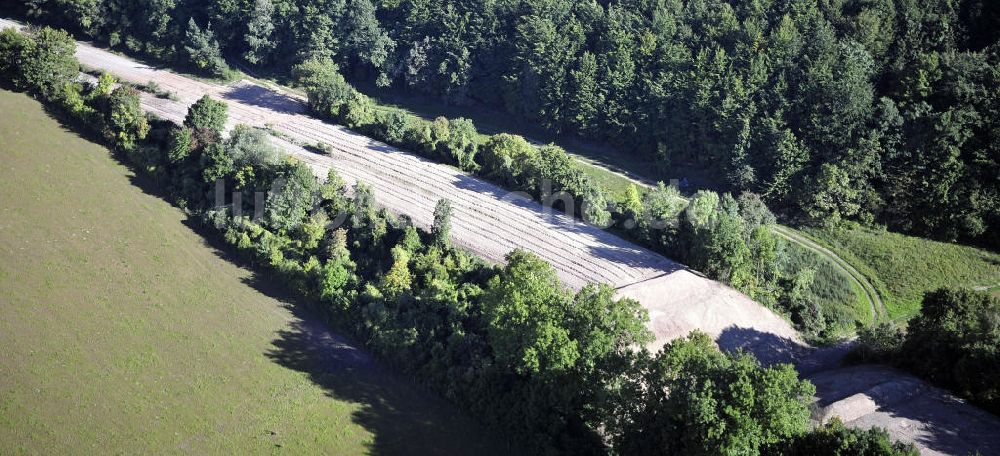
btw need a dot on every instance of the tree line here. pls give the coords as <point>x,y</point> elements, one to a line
<point>879,111</point>
<point>558,371</point>
<point>728,238</point>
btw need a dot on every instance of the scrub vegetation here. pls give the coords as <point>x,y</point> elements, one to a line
<point>555,370</point>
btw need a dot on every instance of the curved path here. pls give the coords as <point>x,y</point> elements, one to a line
<point>872,295</point>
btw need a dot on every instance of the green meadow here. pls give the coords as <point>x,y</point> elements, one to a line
<point>124,331</point>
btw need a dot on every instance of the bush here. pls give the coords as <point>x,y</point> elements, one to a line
<point>878,344</point>
<point>12,45</point>
<point>202,50</point>
<point>207,115</point>
<point>42,61</point>
<point>505,157</point>
<point>834,439</point>
<point>693,399</point>
<point>326,88</point>
<point>392,126</point>
<point>418,136</point>
<point>126,119</point>
<point>955,342</point>
<point>358,112</point>
<point>463,143</point>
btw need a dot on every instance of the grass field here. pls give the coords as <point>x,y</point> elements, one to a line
<point>904,267</point>
<point>122,331</point>
<point>832,289</point>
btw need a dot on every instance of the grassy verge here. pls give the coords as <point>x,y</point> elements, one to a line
<point>840,298</point>
<point>907,266</point>
<point>123,332</point>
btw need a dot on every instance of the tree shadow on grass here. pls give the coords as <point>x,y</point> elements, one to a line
<point>403,417</point>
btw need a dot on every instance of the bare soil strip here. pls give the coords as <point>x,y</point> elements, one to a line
<point>487,219</point>
<point>490,222</point>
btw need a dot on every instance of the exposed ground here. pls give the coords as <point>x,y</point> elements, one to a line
<point>911,410</point>
<point>491,222</point>
<point>486,219</point>
<point>122,332</point>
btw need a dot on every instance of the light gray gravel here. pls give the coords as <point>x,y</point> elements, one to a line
<point>490,222</point>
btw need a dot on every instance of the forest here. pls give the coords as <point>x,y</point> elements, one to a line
<point>877,111</point>
<point>556,370</point>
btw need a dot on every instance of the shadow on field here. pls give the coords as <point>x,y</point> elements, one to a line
<point>399,413</point>
<point>906,405</point>
<point>265,98</point>
<point>402,417</point>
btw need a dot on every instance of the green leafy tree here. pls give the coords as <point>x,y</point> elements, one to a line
<point>398,280</point>
<point>47,62</point>
<point>393,126</point>
<point>326,88</point>
<point>830,196</point>
<point>179,144</point>
<point>358,112</point>
<point>524,307</point>
<point>202,50</point>
<point>259,29</point>
<point>216,163</point>
<point>126,119</point>
<point>586,96</point>
<point>12,46</point>
<point>608,331</point>
<point>632,203</point>
<point>208,118</point>
<point>834,439</point>
<point>252,147</point>
<point>441,229</point>
<point>505,157</point>
<point>955,342</point>
<point>292,197</point>
<point>332,191</point>
<point>463,143</point>
<point>337,279</point>
<point>365,39</point>
<point>693,399</point>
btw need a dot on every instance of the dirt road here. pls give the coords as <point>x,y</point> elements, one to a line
<point>486,219</point>
<point>490,222</point>
<point>872,295</point>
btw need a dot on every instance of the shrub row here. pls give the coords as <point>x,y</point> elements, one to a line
<point>551,367</point>
<point>506,159</point>
<point>726,239</point>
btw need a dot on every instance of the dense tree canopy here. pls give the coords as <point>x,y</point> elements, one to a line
<point>207,115</point>
<point>883,109</point>
<point>695,400</point>
<point>555,369</point>
<point>955,342</point>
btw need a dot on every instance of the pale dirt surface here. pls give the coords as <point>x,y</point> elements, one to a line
<point>486,219</point>
<point>490,222</point>
<point>908,408</point>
